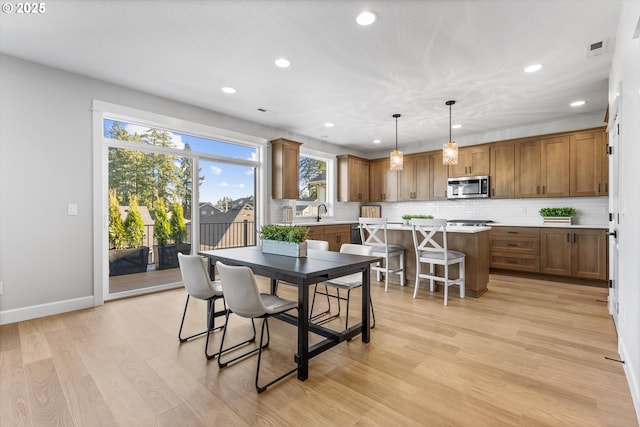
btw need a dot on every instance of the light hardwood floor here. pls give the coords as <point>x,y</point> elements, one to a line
<point>527,353</point>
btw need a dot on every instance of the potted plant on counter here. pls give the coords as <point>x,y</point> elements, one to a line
<point>408,218</point>
<point>557,215</point>
<point>287,240</point>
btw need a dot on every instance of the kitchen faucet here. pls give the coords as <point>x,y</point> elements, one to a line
<point>322,205</point>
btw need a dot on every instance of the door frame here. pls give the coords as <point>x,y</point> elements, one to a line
<point>614,149</point>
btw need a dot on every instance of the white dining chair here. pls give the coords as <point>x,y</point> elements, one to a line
<point>244,299</point>
<point>346,283</point>
<point>373,232</point>
<point>429,251</point>
<point>198,285</point>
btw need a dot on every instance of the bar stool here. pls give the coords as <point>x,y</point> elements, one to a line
<point>429,251</point>
<point>373,232</point>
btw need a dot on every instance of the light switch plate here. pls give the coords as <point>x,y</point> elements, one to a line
<point>72,209</point>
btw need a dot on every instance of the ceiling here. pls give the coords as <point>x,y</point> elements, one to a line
<point>415,57</point>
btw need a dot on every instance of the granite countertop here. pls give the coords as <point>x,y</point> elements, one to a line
<point>543,225</point>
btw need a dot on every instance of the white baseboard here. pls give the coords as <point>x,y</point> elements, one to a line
<point>631,373</point>
<point>42,310</point>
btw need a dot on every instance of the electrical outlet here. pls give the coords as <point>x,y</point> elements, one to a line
<point>72,209</point>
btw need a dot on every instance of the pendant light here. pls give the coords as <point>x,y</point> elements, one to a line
<point>450,149</point>
<point>395,159</point>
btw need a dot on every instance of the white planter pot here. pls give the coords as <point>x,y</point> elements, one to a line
<point>298,250</point>
<point>557,219</point>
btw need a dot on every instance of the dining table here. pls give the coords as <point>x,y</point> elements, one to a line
<point>303,272</point>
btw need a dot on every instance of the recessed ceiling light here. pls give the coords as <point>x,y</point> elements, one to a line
<point>282,62</point>
<point>228,89</point>
<point>376,141</point>
<point>578,103</point>
<point>456,126</point>
<point>367,17</point>
<point>328,125</point>
<point>533,68</point>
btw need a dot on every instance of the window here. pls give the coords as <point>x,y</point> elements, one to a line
<point>314,185</point>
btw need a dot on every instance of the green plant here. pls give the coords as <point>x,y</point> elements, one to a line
<point>557,212</point>
<point>162,228</point>
<point>178,227</point>
<point>116,228</point>
<point>284,233</point>
<point>417,216</point>
<point>133,226</point>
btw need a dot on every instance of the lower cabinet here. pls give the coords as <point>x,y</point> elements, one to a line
<point>336,235</point>
<point>570,252</point>
<point>574,252</point>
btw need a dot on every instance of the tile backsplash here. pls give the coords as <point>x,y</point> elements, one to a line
<point>591,210</point>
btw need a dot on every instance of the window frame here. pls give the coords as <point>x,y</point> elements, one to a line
<point>331,184</point>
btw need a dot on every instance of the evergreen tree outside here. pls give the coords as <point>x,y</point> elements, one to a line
<point>162,228</point>
<point>178,227</point>
<point>134,226</point>
<point>116,228</point>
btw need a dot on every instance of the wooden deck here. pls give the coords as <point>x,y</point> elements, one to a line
<point>129,282</point>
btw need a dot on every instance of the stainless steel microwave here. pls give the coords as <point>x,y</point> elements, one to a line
<point>468,187</point>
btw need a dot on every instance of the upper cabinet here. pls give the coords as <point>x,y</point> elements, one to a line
<point>472,161</point>
<point>285,168</point>
<point>438,175</point>
<point>589,164</point>
<point>353,179</point>
<point>413,180</point>
<point>502,176</point>
<point>383,182</point>
<point>542,167</point>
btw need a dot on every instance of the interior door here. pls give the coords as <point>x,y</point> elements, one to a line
<point>614,209</point>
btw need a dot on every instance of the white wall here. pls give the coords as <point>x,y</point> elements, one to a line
<point>625,71</point>
<point>46,263</point>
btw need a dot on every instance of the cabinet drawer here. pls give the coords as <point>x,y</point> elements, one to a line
<point>515,231</point>
<point>515,244</point>
<point>521,262</point>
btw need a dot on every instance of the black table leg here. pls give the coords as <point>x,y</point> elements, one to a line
<point>303,331</point>
<point>366,311</point>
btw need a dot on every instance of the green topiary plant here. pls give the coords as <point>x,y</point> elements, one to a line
<point>557,212</point>
<point>178,227</point>
<point>407,217</point>
<point>133,226</point>
<point>116,228</point>
<point>162,228</point>
<point>284,233</point>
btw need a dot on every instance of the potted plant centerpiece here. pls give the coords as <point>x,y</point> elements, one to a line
<point>557,215</point>
<point>126,254</point>
<point>287,240</point>
<point>174,229</point>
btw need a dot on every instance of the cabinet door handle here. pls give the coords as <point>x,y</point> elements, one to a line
<point>538,189</point>
<point>606,187</point>
<point>493,191</point>
<point>512,245</point>
<point>568,237</point>
<point>512,232</point>
<point>543,189</point>
<point>598,187</point>
<point>574,237</point>
<point>469,170</point>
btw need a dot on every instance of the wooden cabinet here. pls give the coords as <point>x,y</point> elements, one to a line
<point>472,161</point>
<point>383,182</point>
<point>413,180</point>
<point>336,235</point>
<point>353,179</point>
<point>285,168</point>
<point>574,252</point>
<point>515,248</point>
<point>542,167</point>
<point>438,175</point>
<point>502,170</point>
<point>589,164</point>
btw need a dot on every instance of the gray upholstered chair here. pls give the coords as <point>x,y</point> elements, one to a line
<point>373,232</point>
<point>198,285</point>
<point>429,251</point>
<point>347,283</point>
<point>244,299</point>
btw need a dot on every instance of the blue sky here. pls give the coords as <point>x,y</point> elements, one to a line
<point>220,179</point>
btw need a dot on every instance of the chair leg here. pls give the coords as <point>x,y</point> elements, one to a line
<point>417,284</point>
<point>462,276</point>
<point>373,314</point>
<point>313,301</point>
<point>210,319</point>
<point>261,388</point>
<point>446,283</point>
<point>328,312</point>
<point>386,273</point>
<point>401,266</point>
<point>432,271</point>
<point>222,364</point>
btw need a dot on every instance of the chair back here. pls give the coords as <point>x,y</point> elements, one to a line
<point>319,245</point>
<point>241,292</point>
<point>196,277</point>
<point>350,248</point>
<point>424,231</point>
<point>373,231</point>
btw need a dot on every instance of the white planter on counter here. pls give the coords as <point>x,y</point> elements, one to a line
<point>298,250</point>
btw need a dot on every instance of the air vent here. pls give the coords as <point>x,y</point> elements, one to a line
<point>597,48</point>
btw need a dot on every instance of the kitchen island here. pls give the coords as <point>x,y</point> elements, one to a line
<point>472,241</point>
